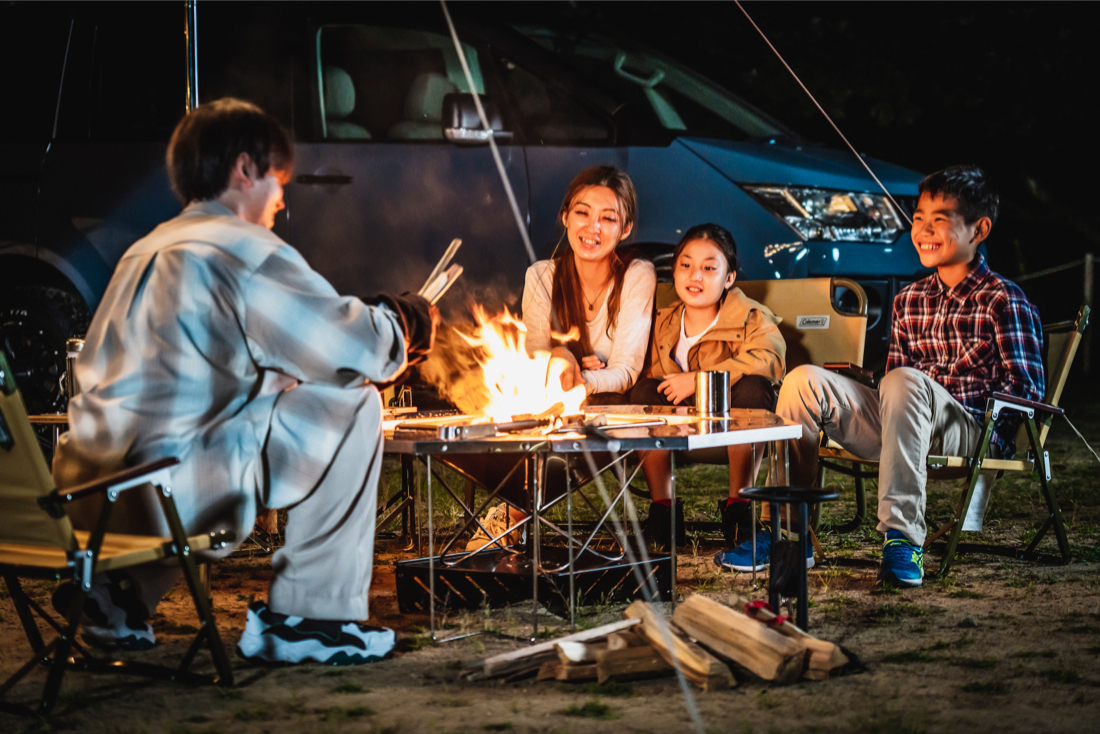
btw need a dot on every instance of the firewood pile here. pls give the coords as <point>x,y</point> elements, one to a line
<point>705,635</point>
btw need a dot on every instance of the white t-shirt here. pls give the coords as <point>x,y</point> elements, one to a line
<point>624,351</point>
<point>687,342</point>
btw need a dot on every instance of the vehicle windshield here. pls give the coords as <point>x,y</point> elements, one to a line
<point>681,100</point>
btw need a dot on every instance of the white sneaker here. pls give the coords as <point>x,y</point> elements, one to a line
<point>270,637</point>
<point>114,617</point>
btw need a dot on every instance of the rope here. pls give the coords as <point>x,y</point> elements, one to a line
<point>1090,448</point>
<point>822,110</point>
<point>492,143</point>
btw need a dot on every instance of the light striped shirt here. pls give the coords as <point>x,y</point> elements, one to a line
<point>216,343</point>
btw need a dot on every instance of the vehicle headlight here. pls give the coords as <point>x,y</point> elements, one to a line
<point>840,216</point>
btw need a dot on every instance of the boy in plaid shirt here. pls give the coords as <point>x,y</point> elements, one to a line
<point>957,335</point>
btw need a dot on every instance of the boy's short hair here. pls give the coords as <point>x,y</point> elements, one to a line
<point>207,142</point>
<point>971,188</point>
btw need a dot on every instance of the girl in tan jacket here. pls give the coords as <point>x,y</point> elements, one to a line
<point>713,327</point>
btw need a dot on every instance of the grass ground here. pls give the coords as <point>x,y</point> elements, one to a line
<point>999,645</point>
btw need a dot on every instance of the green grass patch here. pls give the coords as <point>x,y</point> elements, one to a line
<point>340,714</point>
<point>591,710</point>
<point>1029,654</point>
<point>608,688</point>
<point>992,688</point>
<point>349,688</point>
<point>978,663</point>
<point>250,715</point>
<point>502,726</point>
<point>1061,675</point>
<point>891,613</point>
<point>966,594</point>
<point>912,656</point>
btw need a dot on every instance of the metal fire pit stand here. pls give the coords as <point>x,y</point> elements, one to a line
<point>683,432</point>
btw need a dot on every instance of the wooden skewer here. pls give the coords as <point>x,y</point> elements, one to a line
<point>441,266</point>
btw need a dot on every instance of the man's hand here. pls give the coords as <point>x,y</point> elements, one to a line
<point>564,366</point>
<point>678,387</point>
<point>592,362</point>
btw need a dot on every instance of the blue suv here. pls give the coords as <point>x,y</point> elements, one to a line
<point>390,168</point>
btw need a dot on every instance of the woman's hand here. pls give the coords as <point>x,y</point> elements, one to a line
<point>564,365</point>
<point>678,387</point>
<point>592,362</point>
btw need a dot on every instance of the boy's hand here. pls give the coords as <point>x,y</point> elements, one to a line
<point>592,362</point>
<point>678,387</point>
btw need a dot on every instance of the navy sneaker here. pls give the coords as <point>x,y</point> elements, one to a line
<point>270,637</point>
<point>902,561</point>
<point>740,558</point>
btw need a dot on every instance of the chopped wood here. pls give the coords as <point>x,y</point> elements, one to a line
<point>630,663</point>
<point>572,653</point>
<point>762,650</point>
<point>699,666</point>
<point>625,639</point>
<point>586,671</point>
<point>824,655</point>
<point>532,658</point>
<point>549,670</point>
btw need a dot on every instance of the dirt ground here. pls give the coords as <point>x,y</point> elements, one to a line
<point>1000,645</point>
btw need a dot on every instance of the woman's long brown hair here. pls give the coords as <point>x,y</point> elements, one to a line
<point>566,296</point>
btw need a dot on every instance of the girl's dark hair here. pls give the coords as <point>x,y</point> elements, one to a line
<point>207,142</point>
<point>715,233</point>
<point>566,297</point>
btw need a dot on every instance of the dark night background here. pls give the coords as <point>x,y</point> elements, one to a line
<point>924,85</point>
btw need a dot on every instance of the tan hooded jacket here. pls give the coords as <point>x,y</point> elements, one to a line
<point>745,341</point>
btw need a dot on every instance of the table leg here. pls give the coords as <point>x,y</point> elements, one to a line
<point>534,475</point>
<point>672,534</point>
<point>773,592</point>
<point>569,542</point>
<point>431,556</point>
<point>803,542</point>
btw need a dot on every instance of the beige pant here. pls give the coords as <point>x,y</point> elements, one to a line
<point>909,417</point>
<point>324,569</point>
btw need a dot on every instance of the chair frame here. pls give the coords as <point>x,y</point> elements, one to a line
<point>63,652</point>
<point>1037,462</point>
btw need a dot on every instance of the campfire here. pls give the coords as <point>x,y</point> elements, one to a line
<point>518,385</point>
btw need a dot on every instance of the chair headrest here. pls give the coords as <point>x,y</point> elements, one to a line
<point>339,93</point>
<point>425,100</point>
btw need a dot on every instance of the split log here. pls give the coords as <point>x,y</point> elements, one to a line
<point>586,671</point>
<point>574,653</point>
<point>625,639</point>
<point>699,666</point>
<point>824,655</point>
<point>630,663</point>
<point>532,658</point>
<point>757,647</point>
<point>549,670</point>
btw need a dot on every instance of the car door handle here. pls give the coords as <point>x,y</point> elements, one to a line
<point>326,180</point>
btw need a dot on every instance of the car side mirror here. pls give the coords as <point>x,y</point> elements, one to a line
<point>461,124</point>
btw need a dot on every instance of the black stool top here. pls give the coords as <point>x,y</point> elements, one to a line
<point>789,495</point>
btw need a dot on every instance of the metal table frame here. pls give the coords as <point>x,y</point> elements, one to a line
<point>686,432</point>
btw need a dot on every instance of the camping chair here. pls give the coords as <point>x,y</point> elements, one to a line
<point>1062,341</point>
<point>37,541</point>
<point>814,329</point>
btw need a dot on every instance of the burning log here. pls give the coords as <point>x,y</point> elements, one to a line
<point>699,666</point>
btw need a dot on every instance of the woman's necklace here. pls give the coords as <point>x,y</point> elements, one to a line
<point>592,303</point>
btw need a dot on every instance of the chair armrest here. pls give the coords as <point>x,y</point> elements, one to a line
<point>1023,403</point>
<point>125,477</point>
<point>855,372</point>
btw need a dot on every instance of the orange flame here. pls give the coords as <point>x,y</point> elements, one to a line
<point>517,383</point>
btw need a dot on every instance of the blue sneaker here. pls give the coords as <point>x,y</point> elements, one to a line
<point>740,558</point>
<point>902,561</point>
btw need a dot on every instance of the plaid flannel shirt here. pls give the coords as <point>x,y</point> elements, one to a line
<point>217,344</point>
<point>979,337</point>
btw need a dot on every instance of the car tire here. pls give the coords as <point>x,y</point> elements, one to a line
<point>35,322</point>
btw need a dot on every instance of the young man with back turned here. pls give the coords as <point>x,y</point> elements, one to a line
<point>216,343</point>
<point>957,335</point>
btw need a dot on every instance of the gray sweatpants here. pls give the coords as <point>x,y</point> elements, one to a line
<point>909,417</point>
<point>324,569</point>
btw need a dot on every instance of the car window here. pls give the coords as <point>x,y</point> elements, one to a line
<point>548,115</point>
<point>377,83</point>
<point>679,99</point>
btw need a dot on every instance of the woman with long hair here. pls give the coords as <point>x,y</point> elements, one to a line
<point>590,305</point>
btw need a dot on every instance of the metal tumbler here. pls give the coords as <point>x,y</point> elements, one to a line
<point>712,393</point>
<point>72,351</point>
